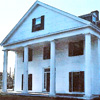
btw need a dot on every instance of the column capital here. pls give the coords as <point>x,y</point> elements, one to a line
<point>87,33</point>
<point>52,40</point>
<point>98,38</point>
<point>5,50</point>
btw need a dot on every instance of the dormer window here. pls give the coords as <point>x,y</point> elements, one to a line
<point>38,24</point>
<point>94,17</point>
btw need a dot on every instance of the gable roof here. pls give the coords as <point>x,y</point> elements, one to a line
<point>48,7</point>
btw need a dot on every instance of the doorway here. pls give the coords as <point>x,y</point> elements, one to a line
<point>47,79</point>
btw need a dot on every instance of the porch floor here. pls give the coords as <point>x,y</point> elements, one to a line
<point>56,97</point>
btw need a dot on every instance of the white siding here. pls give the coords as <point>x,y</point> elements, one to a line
<point>64,65</point>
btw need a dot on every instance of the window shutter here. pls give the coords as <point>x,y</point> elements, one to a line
<point>29,54</point>
<point>70,81</point>
<point>42,22</point>
<point>23,56</point>
<point>22,81</point>
<point>81,81</point>
<point>71,47</point>
<point>33,24</point>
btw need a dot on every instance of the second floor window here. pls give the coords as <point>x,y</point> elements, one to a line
<point>29,55</point>
<point>76,48</point>
<point>46,52</point>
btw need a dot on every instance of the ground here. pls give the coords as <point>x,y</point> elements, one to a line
<point>15,97</point>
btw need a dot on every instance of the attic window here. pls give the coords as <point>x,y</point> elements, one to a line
<point>38,24</point>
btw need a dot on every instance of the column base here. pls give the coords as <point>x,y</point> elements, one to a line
<point>88,97</point>
<point>4,91</point>
<point>52,95</point>
<point>24,92</point>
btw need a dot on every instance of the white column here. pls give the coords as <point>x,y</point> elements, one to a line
<point>15,73</point>
<point>4,89</point>
<point>25,79</point>
<point>88,67</point>
<point>98,53</point>
<point>52,69</point>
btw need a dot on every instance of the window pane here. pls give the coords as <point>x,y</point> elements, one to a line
<point>94,19</point>
<point>38,21</point>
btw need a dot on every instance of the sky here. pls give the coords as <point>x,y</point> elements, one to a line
<point>11,11</point>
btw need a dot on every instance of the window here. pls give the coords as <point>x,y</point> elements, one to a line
<point>47,79</point>
<point>76,81</point>
<point>29,55</point>
<point>76,48</point>
<point>46,52</point>
<point>38,24</point>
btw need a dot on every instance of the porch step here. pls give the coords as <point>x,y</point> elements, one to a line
<point>75,95</point>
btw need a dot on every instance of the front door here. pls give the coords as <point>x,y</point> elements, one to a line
<point>47,79</point>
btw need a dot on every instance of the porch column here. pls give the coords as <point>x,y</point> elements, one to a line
<point>52,69</point>
<point>4,89</point>
<point>25,78</point>
<point>88,67</point>
<point>15,73</point>
<point>98,53</point>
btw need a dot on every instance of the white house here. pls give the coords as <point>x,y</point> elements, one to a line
<point>56,52</point>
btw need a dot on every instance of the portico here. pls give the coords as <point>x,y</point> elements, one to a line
<point>87,38</point>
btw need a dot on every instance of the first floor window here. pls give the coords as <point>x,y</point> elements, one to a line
<point>47,79</point>
<point>76,81</point>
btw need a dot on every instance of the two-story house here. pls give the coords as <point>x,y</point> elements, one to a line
<point>56,52</point>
